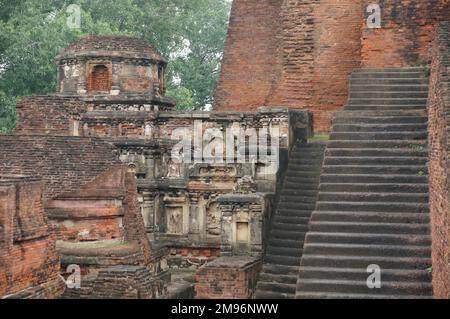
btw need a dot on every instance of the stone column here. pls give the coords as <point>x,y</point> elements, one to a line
<point>226,245</point>
<point>148,207</point>
<point>115,81</point>
<point>194,211</point>
<point>82,79</point>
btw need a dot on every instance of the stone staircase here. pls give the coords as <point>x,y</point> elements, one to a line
<point>297,201</point>
<point>372,205</point>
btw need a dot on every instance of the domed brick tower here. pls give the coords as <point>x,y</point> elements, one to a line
<point>113,68</point>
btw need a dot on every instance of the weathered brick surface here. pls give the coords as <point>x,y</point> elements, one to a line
<point>313,46</point>
<point>406,32</point>
<point>250,66</point>
<point>48,115</point>
<point>439,125</point>
<point>228,278</point>
<point>29,263</point>
<point>64,163</point>
<point>125,46</point>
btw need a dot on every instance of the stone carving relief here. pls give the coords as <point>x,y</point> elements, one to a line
<point>173,169</point>
<point>218,171</point>
<point>174,219</point>
<point>213,219</point>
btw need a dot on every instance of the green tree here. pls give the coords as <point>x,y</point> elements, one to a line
<point>189,33</point>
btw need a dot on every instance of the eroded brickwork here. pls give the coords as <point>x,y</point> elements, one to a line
<point>228,278</point>
<point>64,163</point>
<point>48,115</point>
<point>29,265</point>
<point>248,75</point>
<point>405,34</point>
<point>439,124</point>
<point>317,45</point>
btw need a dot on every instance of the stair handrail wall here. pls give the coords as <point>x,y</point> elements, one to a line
<point>439,139</point>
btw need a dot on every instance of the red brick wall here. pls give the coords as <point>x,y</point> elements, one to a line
<point>438,104</point>
<point>48,115</point>
<point>64,163</point>
<point>228,278</point>
<point>407,31</point>
<point>29,257</point>
<point>250,63</point>
<point>314,49</point>
<point>337,53</point>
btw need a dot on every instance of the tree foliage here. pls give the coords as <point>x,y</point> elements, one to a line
<point>190,33</point>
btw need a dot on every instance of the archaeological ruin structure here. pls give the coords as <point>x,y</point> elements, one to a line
<point>108,191</point>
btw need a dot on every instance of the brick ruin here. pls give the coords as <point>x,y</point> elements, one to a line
<point>300,54</point>
<point>108,196</point>
<point>129,232</point>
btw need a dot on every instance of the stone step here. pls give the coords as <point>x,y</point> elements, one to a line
<point>379,127</point>
<point>414,69</point>
<point>283,234</point>
<point>384,136</point>
<point>368,250</point>
<point>305,203</point>
<point>262,294</point>
<point>382,113</point>
<point>283,260</point>
<point>376,169</point>
<point>387,100</point>
<point>390,87</point>
<point>287,200</point>
<point>377,152</point>
<point>270,268</point>
<point>299,173</point>
<point>287,243</point>
<point>390,144</point>
<point>394,275</point>
<point>300,211</point>
<point>374,187</point>
<point>291,219</point>
<point>370,217</point>
<point>340,295</point>
<point>373,178</point>
<point>295,168</point>
<point>387,75</point>
<point>369,239</point>
<point>368,227</point>
<point>337,261</point>
<point>375,160</point>
<point>373,197</point>
<point>296,153</point>
<point>361,119</point>
<point>307,159</point>
<point>285,251</point>
<point>291,188</point>
<point>364,107</point>
<point>290,227</point>
<point>276,287</point>
<point>388,95</point>
<point>308,180</point>
<point>354,286</point>
<point>388,81</point>
<point>374,206</point>
<point>279,278</point>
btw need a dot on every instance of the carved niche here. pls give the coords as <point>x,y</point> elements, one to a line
<point>213,219</point>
